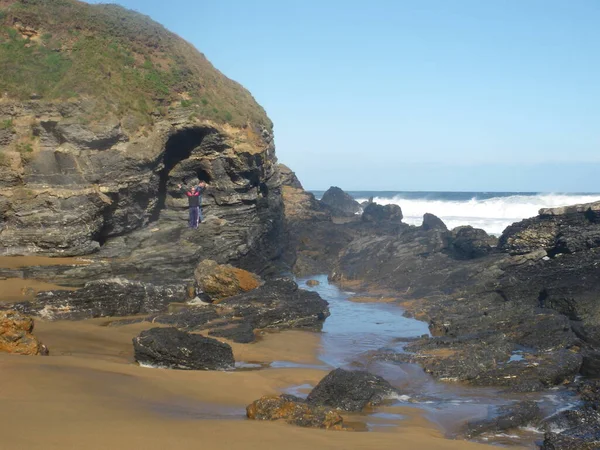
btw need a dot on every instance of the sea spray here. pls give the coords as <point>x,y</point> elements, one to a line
<point>491,211</point>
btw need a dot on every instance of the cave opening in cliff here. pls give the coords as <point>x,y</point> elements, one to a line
<point>178,148</point>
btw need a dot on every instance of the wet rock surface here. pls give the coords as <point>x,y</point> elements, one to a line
<point>295,411</point>
<point>16,335</point>
<point>577,428</point>
<point>505,418</point>
<point>175,349</point>
<point>351,390</point>
<point>115,297</point>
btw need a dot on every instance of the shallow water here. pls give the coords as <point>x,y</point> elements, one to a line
<point>355,330</point>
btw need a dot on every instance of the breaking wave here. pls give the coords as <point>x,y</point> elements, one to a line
<point>491,212</point>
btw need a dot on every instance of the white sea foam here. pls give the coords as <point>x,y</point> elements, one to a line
<point>492,214</point>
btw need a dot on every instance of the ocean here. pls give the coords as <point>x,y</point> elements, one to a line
<point>491,211</point>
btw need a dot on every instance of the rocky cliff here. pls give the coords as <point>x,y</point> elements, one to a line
<point>103,113</point>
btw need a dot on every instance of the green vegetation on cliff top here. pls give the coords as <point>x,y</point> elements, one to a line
<point>131,65</point>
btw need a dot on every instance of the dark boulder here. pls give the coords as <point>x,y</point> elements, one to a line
<point>279,304</point>
<point>505,418</point>
<point>432,222</point>
<point>351,390</point>
<point>382,213</point>
<point>469,242</point>
<point>339,202</point>
<point>295,411</point>
<point>175,349</point>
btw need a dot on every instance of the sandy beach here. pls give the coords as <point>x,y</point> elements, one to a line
<point>90,394</point>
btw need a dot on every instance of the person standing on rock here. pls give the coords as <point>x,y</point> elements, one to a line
<point>194,195</point>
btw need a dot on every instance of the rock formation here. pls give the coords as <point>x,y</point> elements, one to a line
<point>295,411</point>
<point>351,390</point>
<point>16,337</point>
<point>218,281</point>
<point>175,349</point>
<point>90,160</point>
<point>340,203</point>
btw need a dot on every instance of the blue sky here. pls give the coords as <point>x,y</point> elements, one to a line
<point>414,95</point>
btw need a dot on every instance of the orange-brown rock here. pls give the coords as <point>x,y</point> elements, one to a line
<point>295,411</point>
<point>218,281</point>
<point>312,283</point>
<point>16,337</point>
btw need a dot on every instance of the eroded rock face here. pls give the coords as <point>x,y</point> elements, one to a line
<point>351,390</point>
<point>295,411</point>
<point>175,349</point>
<point>112,297</point>
<point>16,337</point>
<point>102,189</point>
<point>218,281</point>
<point>340,203</point>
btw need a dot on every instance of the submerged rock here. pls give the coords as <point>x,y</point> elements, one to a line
<point>351,390</point>
<point>218,281</point>
<point>339,202</point>
<point>175,349</point>
<point>312,283</point>
<point>506,418</point>
<point>16,337</point>
<point>295,411</point>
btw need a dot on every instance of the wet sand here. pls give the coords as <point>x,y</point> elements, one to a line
<point>89,394</point>
<point>17,262</point>
<point>20,290</point>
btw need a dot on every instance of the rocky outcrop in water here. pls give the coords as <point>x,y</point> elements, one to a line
<point>351,390</point>
<point>295,411</point>
<point>340,203</point>
<point>175,349</point>
<point>16,335</point>
<point>215,282</point>
<point>525,321</point>
<point>568,229</point>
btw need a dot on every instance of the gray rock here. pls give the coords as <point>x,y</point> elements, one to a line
<point>174,349</point>
<point>340,203</point>
<point>351,390</point>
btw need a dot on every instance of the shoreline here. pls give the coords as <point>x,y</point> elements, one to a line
<point>90,383</point>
